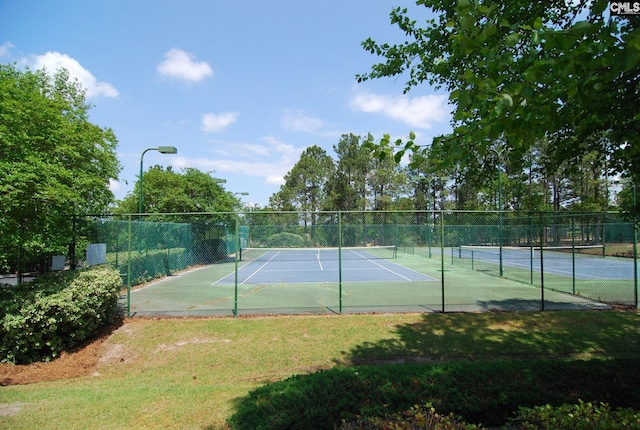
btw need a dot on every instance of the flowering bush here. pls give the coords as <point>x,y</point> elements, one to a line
<point>41,318</point>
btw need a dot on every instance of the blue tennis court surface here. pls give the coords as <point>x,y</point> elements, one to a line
<point>560,263</point>
<point>320,266</point>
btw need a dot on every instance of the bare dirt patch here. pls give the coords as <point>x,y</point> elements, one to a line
<point>79,361</point>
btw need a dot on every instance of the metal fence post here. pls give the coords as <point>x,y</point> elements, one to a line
<point>129,271</point>
<point>340,261</point>
<point>635,258</point>
<point>235,293</point>
<point>531,247</point>
<point>541,263</point>
<point>442,255</point>
<point>573,253</point>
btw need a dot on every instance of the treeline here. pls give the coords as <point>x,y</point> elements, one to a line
<point>540,180</point>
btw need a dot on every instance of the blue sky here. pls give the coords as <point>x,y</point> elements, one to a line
<point>241,88</point>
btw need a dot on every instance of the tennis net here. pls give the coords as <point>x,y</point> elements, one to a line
<point>322,254</point>
<point>528,252</point>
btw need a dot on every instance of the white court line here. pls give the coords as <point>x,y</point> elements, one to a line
<point>380,265</point>
<point>247,265</point>
<point>399,265</point>
<point>258,269</point>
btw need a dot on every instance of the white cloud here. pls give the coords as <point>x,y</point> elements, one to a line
<point>419,112</point>
<point>115,186</point>
<point>276,158</point>
<point>298,121</point>
<point>275,180</point>
<point>53,61</point>
<point>212,122</point>
<point>5,48</point>
<point>181,65</point>
<point>252,150</point>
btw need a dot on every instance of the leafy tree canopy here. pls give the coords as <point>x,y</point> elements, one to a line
<point>53,162</point>
<point>166,191</point>
<point>518,72</point>
<point>304,185</point>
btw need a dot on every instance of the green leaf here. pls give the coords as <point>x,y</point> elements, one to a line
<point>599,7</point>
<point>398,156</point>
<point>582,27</point>
<point>506,99</point>
<point>536,37</point>
<point>512,39</point>
<point>537,24</point>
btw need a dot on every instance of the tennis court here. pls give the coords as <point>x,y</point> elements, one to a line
<point>284,266</point>
<point>372,261</point>
<point>329,281</point>
<point>583,262</point>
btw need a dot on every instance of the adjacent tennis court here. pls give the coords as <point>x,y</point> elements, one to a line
<point>583,262</point>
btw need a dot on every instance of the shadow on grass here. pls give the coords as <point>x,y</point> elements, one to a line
<point>507,335</point>
<point>481,367</point>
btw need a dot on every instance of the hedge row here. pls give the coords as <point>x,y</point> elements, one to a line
<point>40,319</point>
<point>584,415</point>
<point>156,264</point>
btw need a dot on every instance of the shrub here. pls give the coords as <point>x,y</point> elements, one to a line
<point>580,416</point>
<point>286,240</point>
<point>417,417</point>
<point>41,318</point>
<point>155,264</point>
<point>487,392</point>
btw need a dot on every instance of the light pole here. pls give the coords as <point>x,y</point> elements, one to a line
<point>162,150</point>
<point>499,154</point>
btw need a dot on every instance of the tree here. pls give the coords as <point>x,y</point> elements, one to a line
<point>387,181</point>
<point>169,192</point>
<point>347,190</point>
<point>519,72</point>
<point>305,186</point>
<point>305,183</point>
<point>54,163</point>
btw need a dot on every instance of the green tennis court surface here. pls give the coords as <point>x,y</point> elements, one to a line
<point>321,281</point>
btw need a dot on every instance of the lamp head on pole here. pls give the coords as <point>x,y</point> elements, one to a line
<point>167,149</point>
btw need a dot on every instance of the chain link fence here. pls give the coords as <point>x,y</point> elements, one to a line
<point>344,261</point>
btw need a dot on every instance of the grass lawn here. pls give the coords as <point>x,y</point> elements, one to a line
<point>195,373</point>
